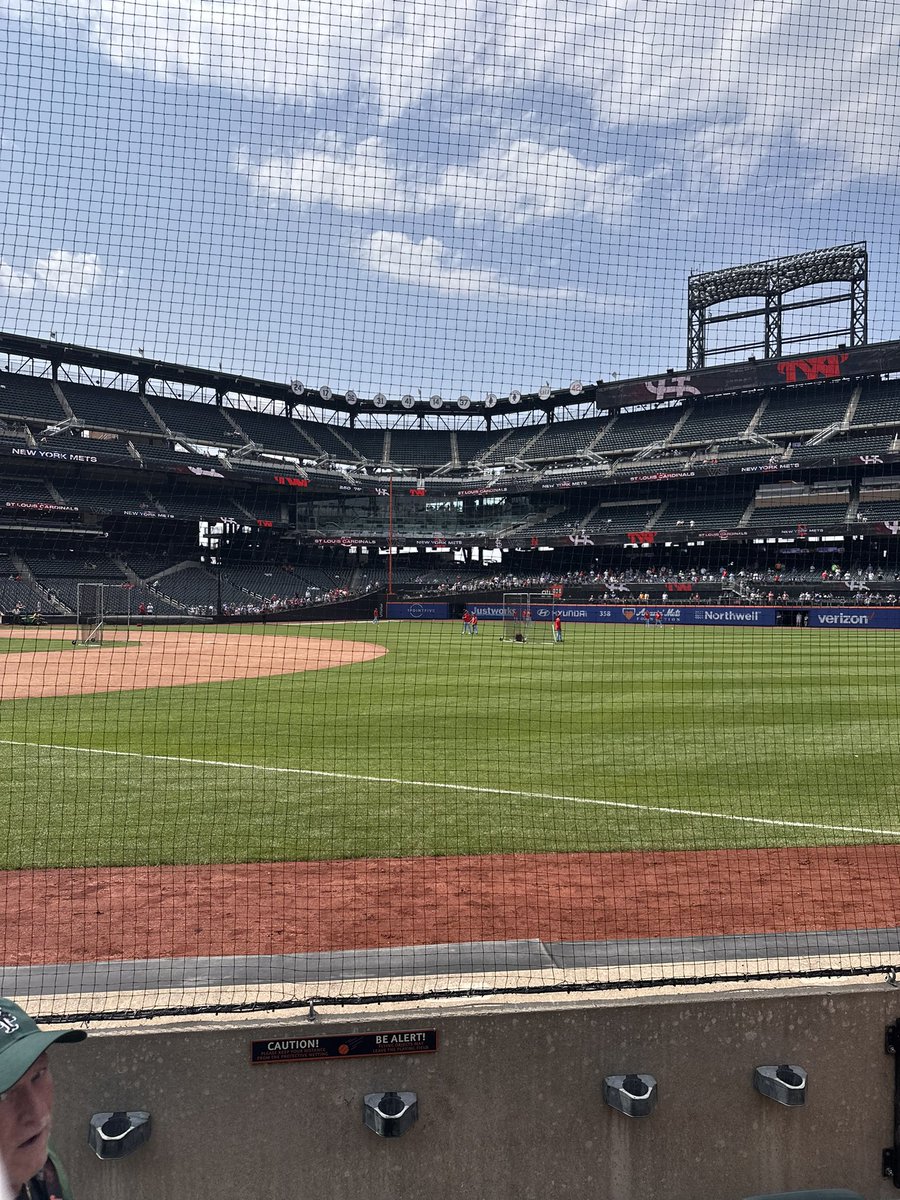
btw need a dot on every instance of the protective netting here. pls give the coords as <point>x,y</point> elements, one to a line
<point>404,590</point>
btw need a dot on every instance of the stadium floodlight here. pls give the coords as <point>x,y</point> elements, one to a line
<point>545,391</point>
<point>515,397</point>
<point>61,427</point>
<point>380,401</point>
<point>436,401</point>
<point>325,392</point>
<point>298,387</point>
<point>351,398</point>
<point>408,402</point>
<point>464,402</point>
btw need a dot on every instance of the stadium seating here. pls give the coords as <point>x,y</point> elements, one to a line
<point>879,404</point>
<point>194,585</point>
<point>104,497</point>
<point>703,514</point>
<point>195,422</point>
<point>368,443</point>
<point>803,411</point>
<point>637,430</point>
<point>157,454</point>
<point>199,506</point>
<point>512,444</point>
<point>273,432</point>
<point>29,397</point>
<point>473,443</point>
<point>843,446</point>
<point>881,510</point>
<point>798,514</point>
<point>713,422</point>
<point>615,518</point>
<point>25,491</point>
<point>328,440</point>
<point>107,408</point>
<point>565,439</point>
<point>420,448</point>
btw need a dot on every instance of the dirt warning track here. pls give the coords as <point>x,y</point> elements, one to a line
<point>166,658</point>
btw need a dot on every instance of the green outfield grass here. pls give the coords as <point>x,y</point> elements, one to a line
<point>565,748</point>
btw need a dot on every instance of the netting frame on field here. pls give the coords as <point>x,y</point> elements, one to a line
<point>519,624</point>
<point>92,613</point>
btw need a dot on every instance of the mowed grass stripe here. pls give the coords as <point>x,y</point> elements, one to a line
<point>621,738</point>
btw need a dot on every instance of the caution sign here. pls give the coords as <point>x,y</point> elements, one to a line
<point>343,1045</point>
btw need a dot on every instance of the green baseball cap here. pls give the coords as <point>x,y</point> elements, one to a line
<point>22,1042</point>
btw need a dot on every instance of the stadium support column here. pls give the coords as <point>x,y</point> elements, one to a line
<point>390,578</point>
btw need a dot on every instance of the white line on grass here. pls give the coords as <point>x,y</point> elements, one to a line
<point>455,787</point>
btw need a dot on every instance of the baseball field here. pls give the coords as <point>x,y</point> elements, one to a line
<point>360,747</point>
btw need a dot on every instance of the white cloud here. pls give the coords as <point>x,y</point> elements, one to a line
<point>428,263</point>
<point>514,186</point>
<point>14,281</point>
<point>789,74</point>
<point>529,182</point>
<point>355,178</point>
<point>62,272</point>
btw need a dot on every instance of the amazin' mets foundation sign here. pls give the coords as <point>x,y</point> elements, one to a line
<point>318,1047</point>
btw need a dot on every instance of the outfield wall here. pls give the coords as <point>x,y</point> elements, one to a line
<point>510,1105</point>
<point>693,614</point>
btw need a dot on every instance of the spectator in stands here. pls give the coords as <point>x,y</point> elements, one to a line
<point>26,1105</point>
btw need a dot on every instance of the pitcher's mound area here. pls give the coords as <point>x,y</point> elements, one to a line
<point>164,658</point>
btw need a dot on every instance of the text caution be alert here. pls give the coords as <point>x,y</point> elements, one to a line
<point>318,1047</point>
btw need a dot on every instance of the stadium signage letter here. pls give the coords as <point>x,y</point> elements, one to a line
<point>822,366</point>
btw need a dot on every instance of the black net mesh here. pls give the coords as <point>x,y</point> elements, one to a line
<point>411,581</point>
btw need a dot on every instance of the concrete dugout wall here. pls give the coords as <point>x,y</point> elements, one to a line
<point>510,1105</point>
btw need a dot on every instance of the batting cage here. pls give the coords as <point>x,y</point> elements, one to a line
<point>341,373</point>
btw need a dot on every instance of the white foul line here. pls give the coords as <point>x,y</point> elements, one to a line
<point>456,787</point>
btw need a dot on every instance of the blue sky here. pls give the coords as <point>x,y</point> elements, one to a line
<point>462,198</point>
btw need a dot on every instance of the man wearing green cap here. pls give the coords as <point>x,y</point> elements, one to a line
<point>26,1105</point>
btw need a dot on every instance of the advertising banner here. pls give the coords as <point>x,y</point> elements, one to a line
<point>428,610</point>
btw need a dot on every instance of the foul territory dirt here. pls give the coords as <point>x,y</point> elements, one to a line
<point>281,908</point>
<point>55,916</point>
